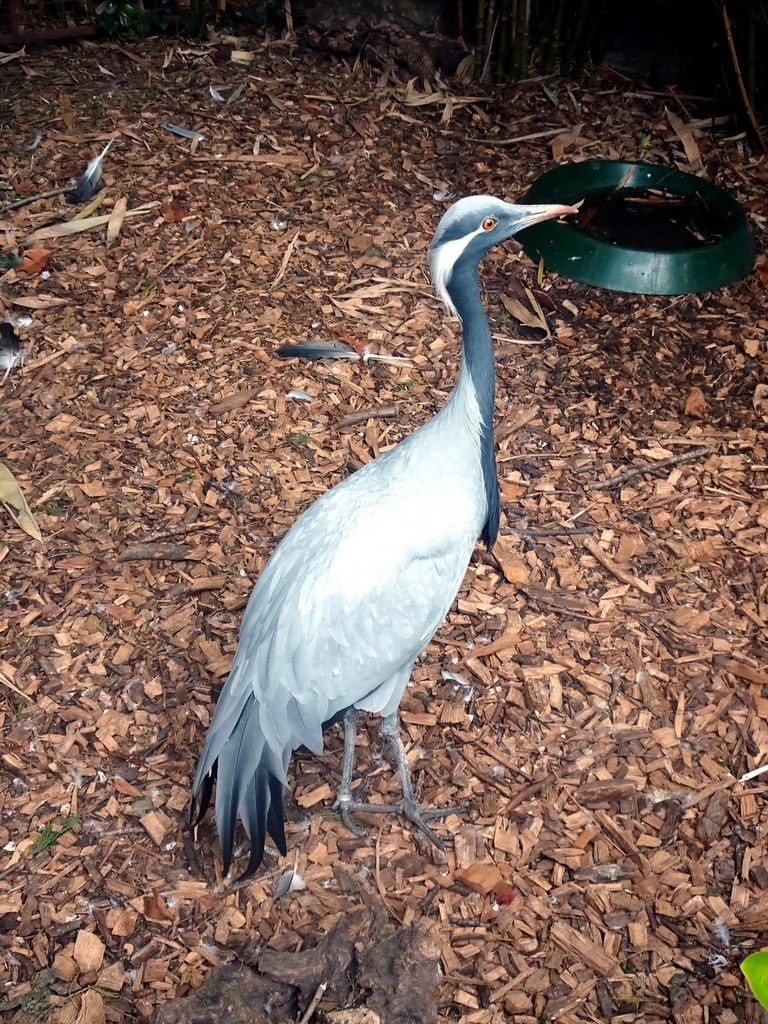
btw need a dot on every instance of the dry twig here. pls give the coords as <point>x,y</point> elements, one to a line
<point>314,1003</point>
<point>166,552</point>
<point>386,412</point>
<point>18,203</point>
<point>286,260</point>
<point>621,574</point>
<point>548,531</point>
<point>632,471</point>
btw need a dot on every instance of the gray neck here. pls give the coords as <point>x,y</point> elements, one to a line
<point>478,372</point>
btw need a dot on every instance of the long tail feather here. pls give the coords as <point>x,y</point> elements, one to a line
<point>275,817</point>
<point>247,787</point>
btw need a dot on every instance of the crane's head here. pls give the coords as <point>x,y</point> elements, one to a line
<point>471,227</point>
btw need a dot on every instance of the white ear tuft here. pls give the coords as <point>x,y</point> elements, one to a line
<point>442,259</point>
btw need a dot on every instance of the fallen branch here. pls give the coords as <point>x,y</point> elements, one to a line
<point>548,531</point>
<point>654,467</point>
<point>621,574</point>
<point>18,203</point>
<point>179,529</point>
<point>386,412</point>
<point>166,552</point>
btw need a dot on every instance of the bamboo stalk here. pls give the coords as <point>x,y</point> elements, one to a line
<point>490,30</point>
<point>588,36</point>
<point>740,79</point>
<point>576,35</point>
<point>479,38</point>
<point>522,28</point>
<point>525,45</point>
<point>489,51</point>
<point>752,52</point>
<point>505,29</point>
<point>556,38</point>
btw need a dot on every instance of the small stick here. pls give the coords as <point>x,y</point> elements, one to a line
<point>386,412</point>
<point>169,263</point>
<point>12,686</point>
<point>319,993</point>
<point>632,471</point>
<point>621,574</point>
<point>179,529</point>
<point>548,531</point>
<point>528,791</point>
<point>286,259</point>
<point>525,138</point>
<point>166,552</point>
<point>18,203</point>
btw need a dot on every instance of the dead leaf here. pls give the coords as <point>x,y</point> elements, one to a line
<point>480,878</point>
<point>523,315</point>
<point>505,893</point>
<point>33,261</point>
<point>116,218</point>
<point>762,272</point>
<point>39,301</point>
<point>561,142</point>
<point>760,399</point>
<point>235,400</point>
<point>73,227</point>
<point>65,109</point>
<point>11,496</point>
<point>351,338</point>
<point>173,210</point>
<point>684,133</point>
<point>695,403</point>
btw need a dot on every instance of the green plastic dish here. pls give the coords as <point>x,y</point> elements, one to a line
<point>574,254</point>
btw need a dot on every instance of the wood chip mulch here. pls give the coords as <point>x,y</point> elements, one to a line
<point>593,701</point>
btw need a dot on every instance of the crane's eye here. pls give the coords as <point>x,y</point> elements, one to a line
<point>489,224</point>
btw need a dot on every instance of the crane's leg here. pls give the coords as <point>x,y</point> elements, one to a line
<point>391,731</point>
<point>344,799</point>
<point>409,807</point>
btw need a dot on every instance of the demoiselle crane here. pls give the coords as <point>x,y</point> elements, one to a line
<point>360,583</point>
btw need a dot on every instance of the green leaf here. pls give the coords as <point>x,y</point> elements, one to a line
<point>755,970</point>
<point>126,14</point>
<point>49,834</point>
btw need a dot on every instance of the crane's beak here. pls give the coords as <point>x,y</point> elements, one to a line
<point>527,216</point>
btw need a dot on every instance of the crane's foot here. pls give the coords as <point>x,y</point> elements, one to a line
<point>347,802</point>
<point>409,809</point>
